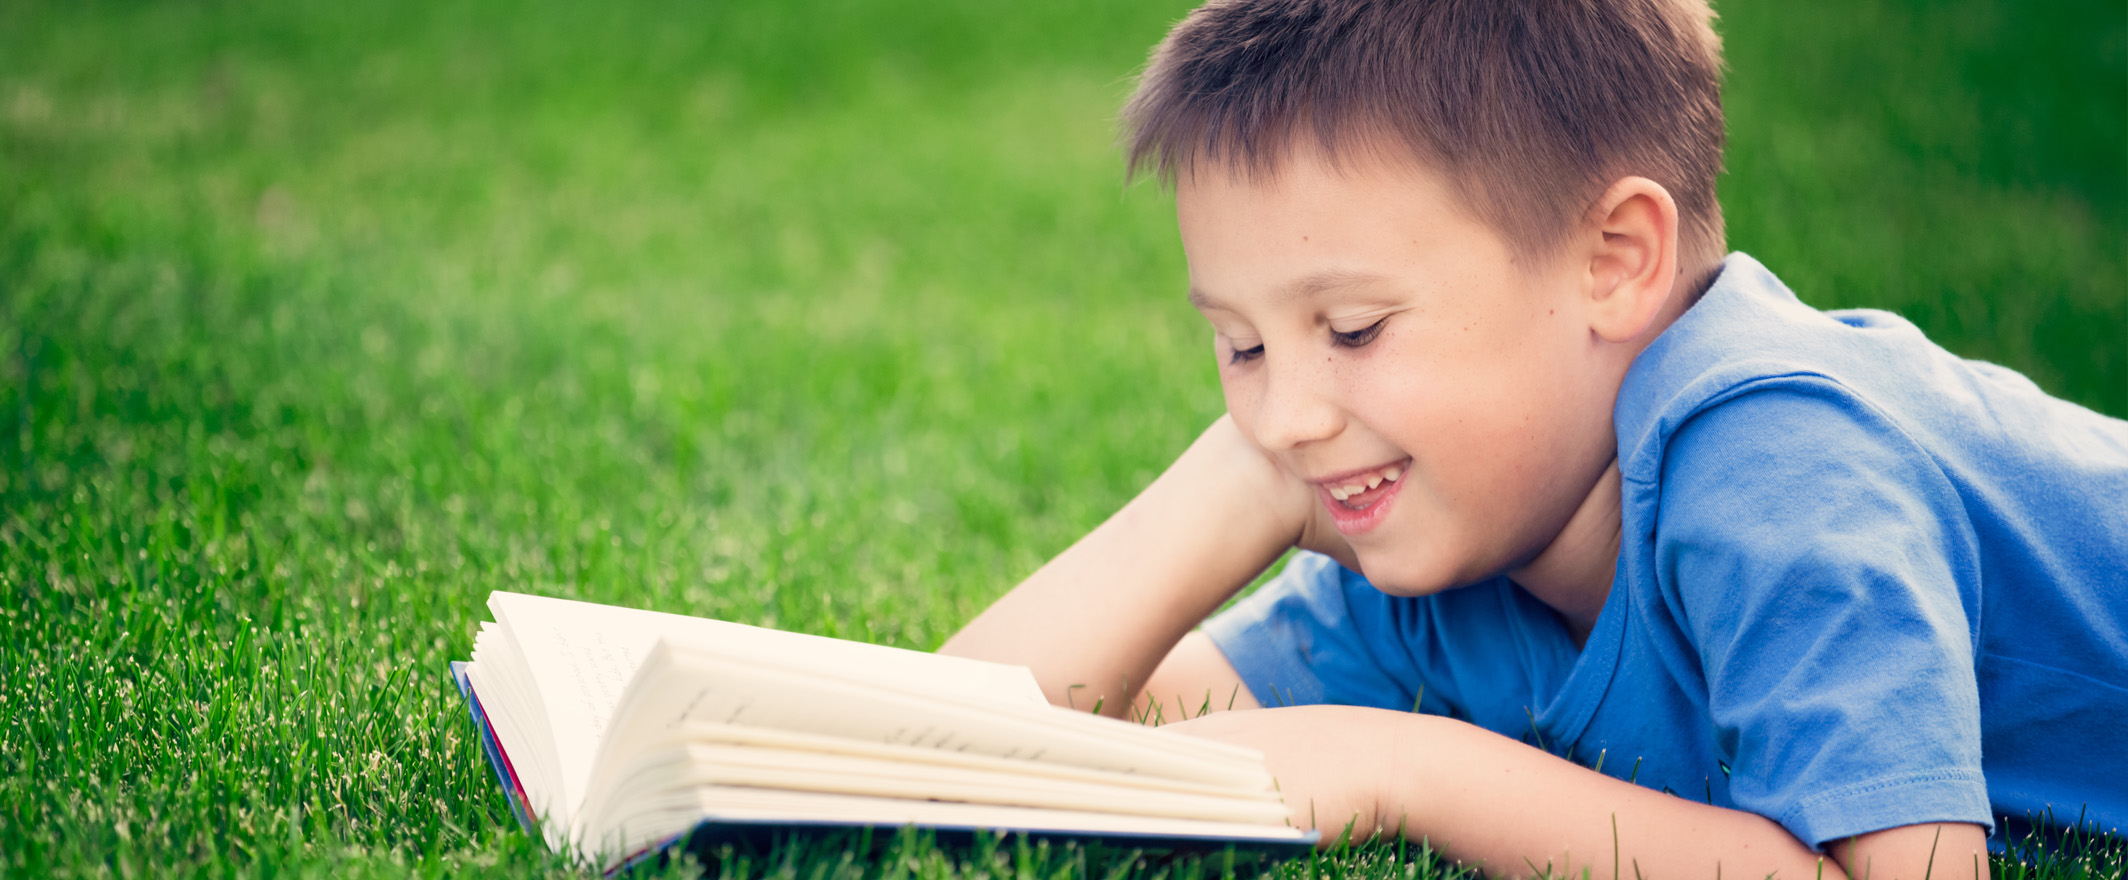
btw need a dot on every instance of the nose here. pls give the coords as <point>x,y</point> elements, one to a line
<point>1296,407</point>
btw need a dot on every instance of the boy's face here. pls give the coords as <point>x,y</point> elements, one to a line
<point>1368,328</point>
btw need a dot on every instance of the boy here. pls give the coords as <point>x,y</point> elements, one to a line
<point>1682,575</point>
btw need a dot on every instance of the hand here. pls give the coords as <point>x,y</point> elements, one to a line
<point>1333,764</point>
<point>1095,622</point>
<point>1320,534</point>
<point>1293,501</point>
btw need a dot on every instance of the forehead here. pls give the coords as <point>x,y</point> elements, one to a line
<point>1311,225</point>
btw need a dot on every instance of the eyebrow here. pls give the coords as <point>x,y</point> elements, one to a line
<point>1308,286</point>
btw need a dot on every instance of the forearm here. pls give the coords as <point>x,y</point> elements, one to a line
<point>1513,810</point>
<point>1094,622</point>
<point>1496,802</point>
<point>1491,801</point>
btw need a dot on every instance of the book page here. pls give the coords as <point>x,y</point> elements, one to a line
<point>581,656</point>
<point>695,753</point>
<point>757,767</point>
<point>699,733</point>
<point>797,809</point>
<point>682,686</point>
<point>514,713</point>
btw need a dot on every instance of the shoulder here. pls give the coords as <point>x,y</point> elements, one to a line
<point>1770,363</point>
<point>1786,424</point>
<point>1775,497</point>
<point>1748,333</point>
<point>1799,480</point>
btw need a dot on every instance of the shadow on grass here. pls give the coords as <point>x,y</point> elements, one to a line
<point>911,854</point>
<point>2054,851</point>
<point>863,854</point>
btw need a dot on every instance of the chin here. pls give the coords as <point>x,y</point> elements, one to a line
<point>1403,575</point>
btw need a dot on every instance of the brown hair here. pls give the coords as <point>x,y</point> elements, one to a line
<point>1530,108</point>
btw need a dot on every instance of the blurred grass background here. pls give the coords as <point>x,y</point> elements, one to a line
<point>320,321</point>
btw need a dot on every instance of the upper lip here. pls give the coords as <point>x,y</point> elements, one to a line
<point>1342,477</point>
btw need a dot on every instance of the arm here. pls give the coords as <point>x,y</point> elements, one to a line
<point>1838,670</point>
<point>1193,681</point>
<point>1094,622</point>
<point>1514,810</point>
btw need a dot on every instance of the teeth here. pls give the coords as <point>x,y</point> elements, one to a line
<point>1386,475</point>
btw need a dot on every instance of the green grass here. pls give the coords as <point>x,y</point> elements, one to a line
<point>320,321</point>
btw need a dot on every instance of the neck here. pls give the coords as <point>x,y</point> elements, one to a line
<point>1573,573</point>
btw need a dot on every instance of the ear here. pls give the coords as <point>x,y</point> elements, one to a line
<point>1632,258</point>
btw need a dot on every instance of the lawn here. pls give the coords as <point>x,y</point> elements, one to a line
<point>320,321</point>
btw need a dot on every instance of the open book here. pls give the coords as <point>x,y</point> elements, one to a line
<point>616,732</point>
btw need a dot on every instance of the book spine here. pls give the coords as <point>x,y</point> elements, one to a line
<point>513,791</point>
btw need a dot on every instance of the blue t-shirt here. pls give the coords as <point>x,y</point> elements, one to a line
<point>1863,583</point>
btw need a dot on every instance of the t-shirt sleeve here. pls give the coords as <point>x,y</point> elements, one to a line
<point>1298,640</point>
<point>1487,653</point>
<point>1818,561</point>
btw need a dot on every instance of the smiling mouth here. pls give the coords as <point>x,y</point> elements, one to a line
<point>1361,490</point>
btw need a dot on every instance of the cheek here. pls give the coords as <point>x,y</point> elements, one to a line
<point>1241,399</point>
<point>1411,394</point>
<point>1237,386</point>
<point>1462,413</point>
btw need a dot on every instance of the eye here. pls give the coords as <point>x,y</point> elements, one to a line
<point>1245,355</point>
<point>1359,337</point>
